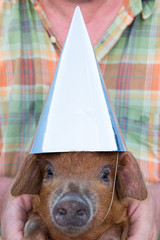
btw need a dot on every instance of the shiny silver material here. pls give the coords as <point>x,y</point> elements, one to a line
<point>77,115</point>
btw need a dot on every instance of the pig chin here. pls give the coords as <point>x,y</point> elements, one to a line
<point>71,231</point>
<point>72,214</point>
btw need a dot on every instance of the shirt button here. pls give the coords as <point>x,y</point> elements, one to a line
<point>53,39</point>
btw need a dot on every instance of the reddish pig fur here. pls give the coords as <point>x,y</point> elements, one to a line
<point>82,173</point>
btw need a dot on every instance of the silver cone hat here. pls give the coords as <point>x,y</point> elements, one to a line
<point>77,115</point>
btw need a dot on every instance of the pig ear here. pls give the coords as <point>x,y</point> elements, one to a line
<point>29,177</point>
<point>129,181</point>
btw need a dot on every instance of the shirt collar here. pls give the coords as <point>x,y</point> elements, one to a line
<point>148,8</point>
<point>129,10</point>
<point>144,6</point>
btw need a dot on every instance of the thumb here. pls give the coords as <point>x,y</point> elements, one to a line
<point>142,226</point>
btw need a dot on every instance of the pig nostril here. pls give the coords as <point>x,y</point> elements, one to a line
<point>62,211</point>
<point>81,212</point>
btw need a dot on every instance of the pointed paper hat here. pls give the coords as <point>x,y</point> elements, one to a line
<point>77,115</point>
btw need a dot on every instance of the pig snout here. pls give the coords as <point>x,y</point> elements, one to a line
<point>71,211</point>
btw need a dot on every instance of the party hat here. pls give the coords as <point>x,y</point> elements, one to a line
<point>77,115</point>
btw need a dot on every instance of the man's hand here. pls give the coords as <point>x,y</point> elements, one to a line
<point>14,217</point>
<point>145,216</point>
<point>142,221</point>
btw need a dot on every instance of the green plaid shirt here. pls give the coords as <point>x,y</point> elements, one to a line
<point>129,58</point>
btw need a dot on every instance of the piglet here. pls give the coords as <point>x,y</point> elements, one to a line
<point>72,194</point>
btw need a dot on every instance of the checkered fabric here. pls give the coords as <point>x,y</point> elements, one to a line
<point>129,58</point>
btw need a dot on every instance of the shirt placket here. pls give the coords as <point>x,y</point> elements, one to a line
<point>47,25</point>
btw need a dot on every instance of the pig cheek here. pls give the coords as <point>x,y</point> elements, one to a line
<point>103,198</point>
<point>48,195</point>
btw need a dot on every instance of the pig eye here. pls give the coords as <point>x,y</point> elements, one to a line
<point>49,172</point>
<point>105,174</point>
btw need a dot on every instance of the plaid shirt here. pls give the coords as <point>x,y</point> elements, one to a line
<point>129,58</point>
